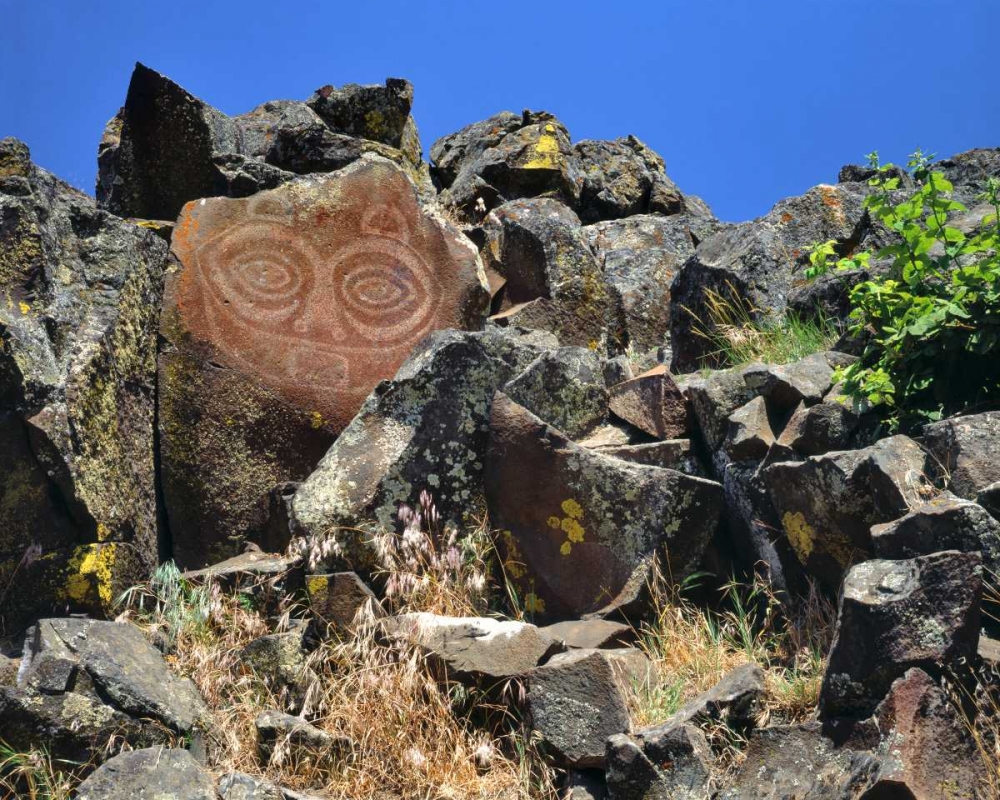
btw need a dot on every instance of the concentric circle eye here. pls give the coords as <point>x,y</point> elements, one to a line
<point>384,290</point>
<point>262,272</point>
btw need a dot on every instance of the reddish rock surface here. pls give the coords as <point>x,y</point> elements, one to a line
<point>289,307</point>
<point>653,403</point>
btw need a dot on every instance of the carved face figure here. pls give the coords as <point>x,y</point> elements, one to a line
<point>321,289</point>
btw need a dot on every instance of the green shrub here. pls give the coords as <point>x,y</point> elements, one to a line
<point>931,323</point>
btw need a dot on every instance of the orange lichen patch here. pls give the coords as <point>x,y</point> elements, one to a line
<point>832,200</point>
<point>786,217</point>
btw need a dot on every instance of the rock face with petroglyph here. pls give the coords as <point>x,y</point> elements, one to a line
<point>286,311</point>
<point>79,297</point>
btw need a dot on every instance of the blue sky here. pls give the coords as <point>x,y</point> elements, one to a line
<point>748,101</point>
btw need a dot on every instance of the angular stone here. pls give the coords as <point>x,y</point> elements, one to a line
<point>270,349</point>
<point>578,530</point>
<point>672,454</point>
<point>894,615</point>
<point>753,264</point>
<point>239,786</point>
<point>653,403</point>
<point>659,765</point>
<point>793,762</point>
<point>79,297</point>
<point>713,399</point>
<point>582,634</point>
<point>749,435</point>
<point>426,429</point>
<point>337,599</point>
<point>248,569</point>
<point>787,385</point>
<point>575,702</point>
<point>174,773</point>
<point>818,429</point>
<point>827,504</point>
<point>944,523</point>
<point>564,387</point>
<point>585,784</point>
<point>293,736</point>
<point>474,648</point>
<point>964,451</point>
<point>451,153</point>
<point>553,280</point>
<point>989,498</point>
<point>737,701</point>
<point>279,661</point>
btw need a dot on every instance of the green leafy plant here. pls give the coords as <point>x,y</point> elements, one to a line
<point>931,323</point>
<point>823,259</point>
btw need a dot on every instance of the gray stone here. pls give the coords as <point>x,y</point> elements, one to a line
<point>964,451</point>
<point>474,648</point>
<point>894,615</point>
<point>787,385</point>
<point>239,786</point>
<point>589,634</point>
<point>653,403</point>
<point>279,661</point>
<point>736,701</point>
<point>749,436</point>
<point>672,454</point>
<point>450,154</point>
<point>156,773</point>
<point>79,296</point>
<point>653,764</point>
<point>338,598</point>
<point>585,785</point>
<point>564,387</point>
<point>815,430</point>
<point>827,504</point>
<point>280,734</point>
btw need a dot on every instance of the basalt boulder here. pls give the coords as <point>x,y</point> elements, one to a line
<point>175,774</point>
<point>287,309</point>
<point>165,147</point>
<point>79,296</point>
<point>579,531</point>
<point>964,451</point>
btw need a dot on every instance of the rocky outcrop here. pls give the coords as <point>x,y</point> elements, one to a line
<point>270,348</point>
<point>79,297</point>
<point>174,773</point>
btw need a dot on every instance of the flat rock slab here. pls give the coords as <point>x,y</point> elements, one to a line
<point>155,773</point>
<point>579,530</point>
<point>289,308</point>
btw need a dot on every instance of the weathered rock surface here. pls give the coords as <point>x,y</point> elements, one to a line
<point>964,450</point>
<point>827,504</point>
<point>653,403</point>
<point>753,264</point>
<point>579,634</point>
<point>474,648</point>
<point>79,297</point>
<point>815,430</point>
<point>279,661</point>
<point>579,530</point>
<point>291,736</point>
<point>552,280</point>
<point>654,764</point>
<point>338,598</point>
<point>271,349</point>
<point>166,147</point>
<point>894,615</point>
<point>156,773</point>
<point>428,428</point>
<point>737,701</point>
<point>578,699</point>
<point>749,436</point>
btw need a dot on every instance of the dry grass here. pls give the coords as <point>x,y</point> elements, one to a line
<point>694,647</point>
<point>35,775</point>
<point>737,334</point>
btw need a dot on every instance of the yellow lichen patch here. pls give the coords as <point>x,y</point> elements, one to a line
<point>89,579</point>
<point>316,420</point>
<point>573,529</point>
<point>566,548</point>
<point>800,534</point>
<point>534,604</point>
<point>317,586</point>
<point>25,308</point>
<point>546,151</point>
<point>512,564</point>
<point>571,508</point>
<point>553,522</point>
<point>102,531</point>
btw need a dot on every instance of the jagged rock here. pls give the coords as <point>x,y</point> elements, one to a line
<point>925,747</point>
<point>815,430</point>
<point>534,159</point>
<point>789,762</point>
<point>894,615</point>
<point>615,434</point>
<point>752,265</point>
<point>677,235</point>
<point>339,597</point>
<point>564,387</point>
<point>474,648</point>
<point>156,772</point>
<point>166,147</point>
<point>659,765</point>
<point>279,733</point>
<point>450,154</point>
<point>586,784</point>
<point>251,568</point>
<point>238,786</point>
<point>749,436</point>
<point>617,369</point>
<point>653,403</point>
<point>827,504</point>
<point>115,664</point>
<point>622,178</point>
<point>786,385</point>
<point>79,293</point>
<point>578,634</point>
<point>553,281</point>
<point>964,451</point>
<point>969,171</point>
<point>828,296</point>
<point>578,699</point>
<point>279,660</point>
<point>673,454</point>
<point>737,701</point>
<point>261,369</point>
<point>944,523</point>
<point>579,530</point>
<point>426,429</point>
<point>713,398</point>
<point>989,498</point>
